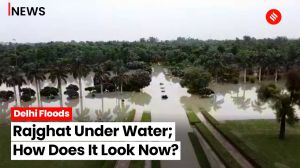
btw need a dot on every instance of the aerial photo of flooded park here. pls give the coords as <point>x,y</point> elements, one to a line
<point>235,102</point>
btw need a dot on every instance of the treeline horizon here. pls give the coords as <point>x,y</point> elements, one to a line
<point>151,39</point>
<point>224,60</point>
<point>218,61</point>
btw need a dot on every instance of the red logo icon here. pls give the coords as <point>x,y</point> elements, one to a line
<point>273,16</point>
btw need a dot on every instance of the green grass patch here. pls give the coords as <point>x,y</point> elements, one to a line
<point>192,118</point>
<point>131,115</point>
<point>146,117</point>
<point>5,161</point>
<point>137,164</point>
<point>262,137</point>
<point>218,148</point>
<point>254,157</point>
<point>202,159</point>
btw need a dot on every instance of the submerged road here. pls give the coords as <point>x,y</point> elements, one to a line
<point>171,110</point>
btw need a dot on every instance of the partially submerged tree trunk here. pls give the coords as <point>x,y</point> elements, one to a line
<point>60,92</point>
<point>102,104</point>
<point>37,92</point>
<point>276,75</point>
<point>39,83</point>
<point>101,85</point>
<point>19,90</point>
<point>282,127</point>
<point>81,105</point>
<point>259,75</point>
<point>16,98</point>
<point>245,75</point>
<point>80,87</point>
<point>121,87</point>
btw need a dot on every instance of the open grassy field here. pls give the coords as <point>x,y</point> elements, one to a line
<point>261,136</point>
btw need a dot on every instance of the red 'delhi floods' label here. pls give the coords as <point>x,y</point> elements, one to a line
<point>273,16</point>
<point>41,114</point>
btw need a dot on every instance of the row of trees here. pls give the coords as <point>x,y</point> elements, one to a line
<point>224,60</point>
<point>266,56</point>
<point>16,76</point>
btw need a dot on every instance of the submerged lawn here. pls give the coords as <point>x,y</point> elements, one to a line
<point>5,161</point>
<point>261,136</point>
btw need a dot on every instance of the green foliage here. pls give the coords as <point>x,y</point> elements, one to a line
<point>6,95</point>
<point>254,157</point>
<point>177,71</point>
<point>137,80</point>
<point>283,107</point>
<point>266,92</point>
<point>282,102</point>
<point>222,59</point>
<point>229,74</point>
<point>146,117</point>
<point>49,92</point>
<point>72,91</point>
<point>217,147</point>
<point>293,84</point>
<point>251,79</point>
<point>260,136</point>
<point>72,87</point>
<point>27,94</point>
<point>193,118</point>
<point>195,79</point>
<point>132,80</point>
<point>90,89</point>
<point>205,92</point>
<point>201,157</point>
<point>13,76</point>
<point>72,94</point>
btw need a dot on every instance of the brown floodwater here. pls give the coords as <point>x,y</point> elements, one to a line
<point>231,102</point>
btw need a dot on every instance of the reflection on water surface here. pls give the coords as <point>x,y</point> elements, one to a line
<point>231,102</point>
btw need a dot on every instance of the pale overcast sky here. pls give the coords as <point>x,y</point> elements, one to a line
<point>103,20</point>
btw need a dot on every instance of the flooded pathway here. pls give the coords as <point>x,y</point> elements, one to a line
<point>231,102</point>
<point>171,110</point>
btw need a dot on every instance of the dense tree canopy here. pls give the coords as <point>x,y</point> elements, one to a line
<point>195,79</point>
<point>247,52</point>
<point>258,59</point>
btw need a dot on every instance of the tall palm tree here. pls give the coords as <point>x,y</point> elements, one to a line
<point>101,75</point>
<point>79,70</point>
<point>245,61</point>
<point>13,77</point>
<point>261,60</point>
<point>35,75</point>
<point>123,79</point>
<point>58,72</point>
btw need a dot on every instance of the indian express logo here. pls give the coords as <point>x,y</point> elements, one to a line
<point>23,10</point>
